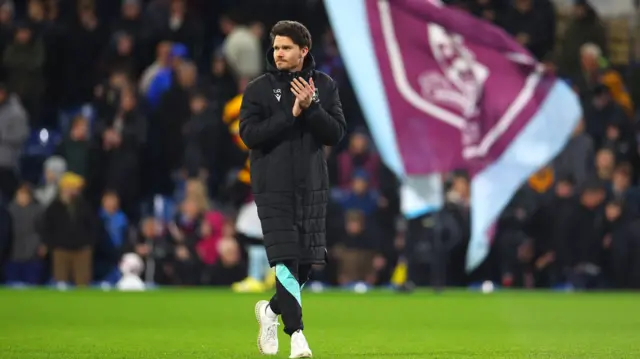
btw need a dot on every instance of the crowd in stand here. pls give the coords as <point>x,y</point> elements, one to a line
<point>119,133</point>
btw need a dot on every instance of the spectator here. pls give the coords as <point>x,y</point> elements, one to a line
<point>120,56</point>
<point>172,115</point>
<point>359,155</point>
<point>360,197</point>
<point>84,45</point>
<point>27,252</point>
<point>622,243</point>
<point>24,60</point>
<point>600,110</point>
<point>41,18</point>
<point>152,247</point>
<point>242,47</point>
<point>164,78</point>
<point>489,10</point>
<point>70,231</point>
<point>75,148</point>
<point>548,227</point>
<point>107,94</point>
<point>224,86</point>
<point>623,143</point>
<point>14,129</point>
<point>533,26</point>
<point>577,158</point>
<point>110,247</point>
<point>123,136</point>
<point>597,71</point>
<point>228,269</point>
<point>37,21</point>
<point>162,61</point>
<point>605,164</point>
<point>585,230</point>
<point>185,233</point>
<point>199,154</point>
<point>54,167</point>
<point>358,255</point>
<point>212,230</point>
<point>585,27</point>
<point>621,189</point>
<point>7,12</point>
<point>130,20</point>
<point>183,26</point>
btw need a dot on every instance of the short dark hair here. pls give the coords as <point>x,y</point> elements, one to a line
<point>294,30</point>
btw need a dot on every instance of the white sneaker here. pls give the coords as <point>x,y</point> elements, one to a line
<point>268,334</point>
<point>299,346</point>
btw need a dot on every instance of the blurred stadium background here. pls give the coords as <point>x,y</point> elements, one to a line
<point>133,105</point>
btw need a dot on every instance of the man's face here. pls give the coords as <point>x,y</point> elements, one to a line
<point>163,52</point>
<point>613,211</point>
<point>605,159</point>
<point>187,76</point>
<point>198,104</point>
<point>5,15</point>
<point>127,100</point>
<point>23,35</point>
<point>589,62</point>
<point>621,180</point>
<point>592,198</point>
<point>36,10</point>
<point>80,130</point>
<point>601,101</point>
<point>564,189</point>
<point>286,54</point>
<point>359,185</point>
<point>110,203</point>
<point>125,45</point>
<point>130,11</point>
<point>358,144</point>
<point>523,6</point>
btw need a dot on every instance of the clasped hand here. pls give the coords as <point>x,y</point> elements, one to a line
<point>303,91</point>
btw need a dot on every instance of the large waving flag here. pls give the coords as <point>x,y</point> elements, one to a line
<point>442,90</point>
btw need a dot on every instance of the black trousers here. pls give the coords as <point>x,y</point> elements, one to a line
<point>290,278</point>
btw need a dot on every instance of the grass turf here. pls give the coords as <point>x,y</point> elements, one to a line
<point>176,324</point>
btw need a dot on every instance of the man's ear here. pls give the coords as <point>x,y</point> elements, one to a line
<point>304,51</point>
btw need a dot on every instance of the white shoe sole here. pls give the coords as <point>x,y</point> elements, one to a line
<point>257,312</point>
<point>301,355</point>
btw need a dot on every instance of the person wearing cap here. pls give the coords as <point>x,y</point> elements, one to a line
<point>70,230</point>
<point>164,78</point>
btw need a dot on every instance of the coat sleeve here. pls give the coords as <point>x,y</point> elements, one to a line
<point>255,130</point>
<point>328,125</point>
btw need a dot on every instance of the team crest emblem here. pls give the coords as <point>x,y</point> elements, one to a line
<point>316,96</point>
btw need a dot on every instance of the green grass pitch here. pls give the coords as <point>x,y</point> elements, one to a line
<point>38,324</point>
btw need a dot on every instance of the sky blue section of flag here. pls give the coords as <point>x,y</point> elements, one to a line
<point>537,144</point>
<point>289,282</point>
<point>351,28</point>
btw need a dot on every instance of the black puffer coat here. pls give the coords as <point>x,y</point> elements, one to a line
<point>289,175</point>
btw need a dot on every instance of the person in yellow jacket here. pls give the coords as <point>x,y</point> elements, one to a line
<point>257,280</point>
<point>597,71</point>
